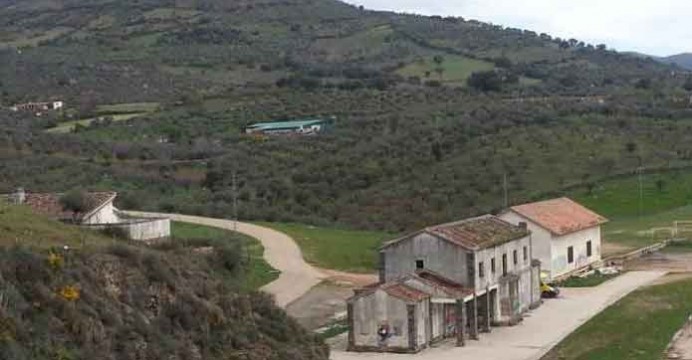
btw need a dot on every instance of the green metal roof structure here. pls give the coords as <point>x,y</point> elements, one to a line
<point>280,125</point>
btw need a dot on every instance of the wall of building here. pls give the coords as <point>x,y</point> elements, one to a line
<point>577,240</point>
<point>423,324</point>
<point>105,215</point>
<point>490,279</point>
<point>438,255</point>
<point>374,310</point>
<point>540,239</point>
<point>144,229</point>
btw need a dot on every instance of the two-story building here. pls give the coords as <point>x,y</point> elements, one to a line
<point>566,236</point>
<point>450,280</point>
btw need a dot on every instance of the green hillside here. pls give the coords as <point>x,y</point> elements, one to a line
<point>18,226</point>
<point>430,113</point>
<point>184,299</point>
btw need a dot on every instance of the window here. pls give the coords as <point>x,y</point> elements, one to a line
<point>481,270</point>
<point>588,248</point>
<point>420,264</point>
<point>492,265</point>
<point>526,254</point>
<point>504,264</point>
<point>570,254</point>
<point>515,258</point>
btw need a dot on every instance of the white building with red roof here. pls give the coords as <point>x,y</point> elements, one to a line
<point>565,236</point>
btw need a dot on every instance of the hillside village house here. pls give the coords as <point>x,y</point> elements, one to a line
<point>37,107</point>
<point>297,127</point>
<point>99,214</point>
<point>566,236</point>
<point>447,281</point>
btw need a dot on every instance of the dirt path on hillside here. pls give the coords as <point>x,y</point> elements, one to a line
<point>280,251</point>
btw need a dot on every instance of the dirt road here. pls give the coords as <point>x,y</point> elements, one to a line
<point>280,251</point>
<point>540,331</point>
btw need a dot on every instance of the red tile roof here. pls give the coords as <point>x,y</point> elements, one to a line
<point>447,285</point>
<point>478,233</point>
<point>404,292</point>
<point>48,204</point>
<point>400,289</point>
<point>560,216</point>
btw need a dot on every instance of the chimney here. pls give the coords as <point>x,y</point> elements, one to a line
<point>19,196</point>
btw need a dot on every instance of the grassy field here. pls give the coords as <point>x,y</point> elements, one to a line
<point>456,69</point>
<point>18,225</point>
<point>588,281</point>
<point>638,327</point>
<point>127,108</point>
<point>70,126</point>
<point>259,272</point>
<point>666,198</point>
<point>33,39</point>
<point>117,112</point>
<point>338,249</point>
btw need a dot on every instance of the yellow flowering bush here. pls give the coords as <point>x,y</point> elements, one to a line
<point>55,261</point>
<point>69,293</point>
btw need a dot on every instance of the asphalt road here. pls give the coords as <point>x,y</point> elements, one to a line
<point>280,251</point>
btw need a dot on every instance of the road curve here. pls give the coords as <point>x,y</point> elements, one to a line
<point>280,251</point>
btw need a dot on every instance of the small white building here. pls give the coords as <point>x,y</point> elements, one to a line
<point>99,214</point>
<point>565,235</point>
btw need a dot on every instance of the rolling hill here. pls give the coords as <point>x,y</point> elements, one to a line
<point>414,141</point>
<point>682,60</point>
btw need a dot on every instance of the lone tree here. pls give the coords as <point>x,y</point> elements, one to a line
<point>485,81</point>
<point>74,200</point>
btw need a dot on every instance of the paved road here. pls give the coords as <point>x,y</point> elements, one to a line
<point>544,328</point>
<point>280,251</point>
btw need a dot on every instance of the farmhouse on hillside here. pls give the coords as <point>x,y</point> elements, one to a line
<point>447,281</point>
<point>566,236</point>
<point>99,213</point>
<point>296,127</point>
<point>38,107</point>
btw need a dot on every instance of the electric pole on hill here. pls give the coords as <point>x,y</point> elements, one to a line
<point>504,188</point>
<point>235,201</point>
<point>641,191</point>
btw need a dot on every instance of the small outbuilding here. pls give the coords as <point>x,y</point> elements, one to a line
<point>294,127</point>
<point>98,213</point>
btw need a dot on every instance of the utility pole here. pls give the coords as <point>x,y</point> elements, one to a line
<point>235,201</point>
<point>641,191</point>
<point>505,204</point>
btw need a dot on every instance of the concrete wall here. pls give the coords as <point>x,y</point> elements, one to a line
<point>374,310</point>
<point>144,229</point>
<point>577,240</point>
<point>440,256</point>
<point>105,215</point>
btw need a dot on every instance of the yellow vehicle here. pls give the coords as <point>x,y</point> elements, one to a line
<point>548,291</point>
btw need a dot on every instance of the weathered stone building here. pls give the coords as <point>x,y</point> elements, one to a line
<point>451,280</point>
